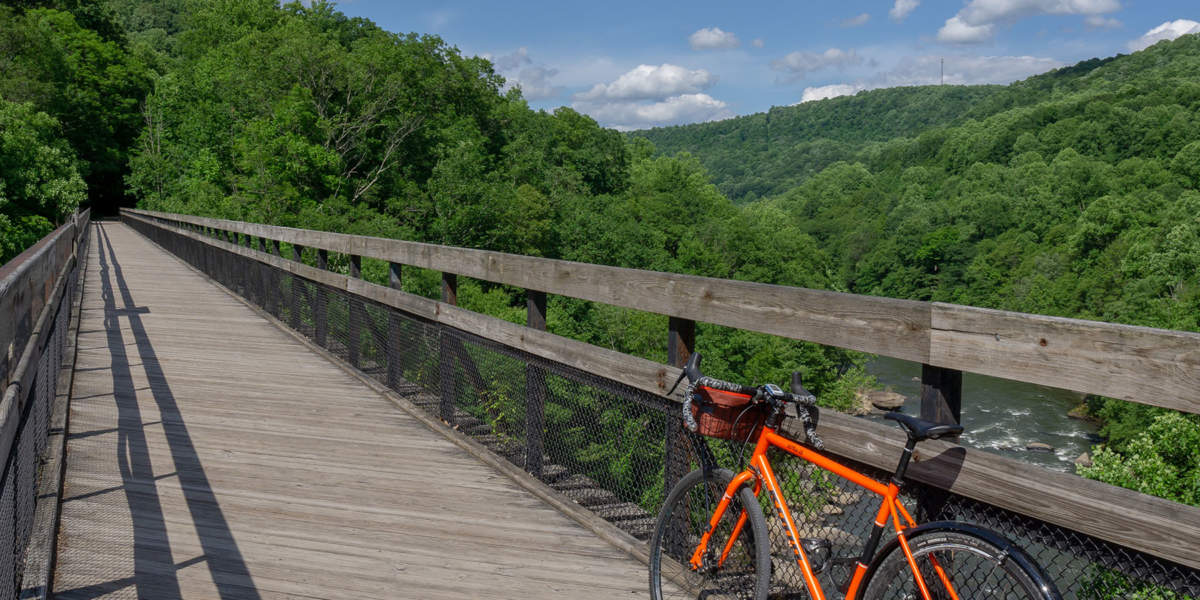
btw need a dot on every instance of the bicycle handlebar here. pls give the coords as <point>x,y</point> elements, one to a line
<point>802,398</point>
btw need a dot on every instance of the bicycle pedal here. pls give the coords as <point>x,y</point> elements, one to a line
<point>819,552</point>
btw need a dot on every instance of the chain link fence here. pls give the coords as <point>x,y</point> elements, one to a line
<point>28,401</point>
<point>617,450</point>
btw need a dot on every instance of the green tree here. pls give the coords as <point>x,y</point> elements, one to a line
<point>39,184</point>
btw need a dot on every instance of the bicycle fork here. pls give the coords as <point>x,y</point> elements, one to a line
<point>697,559</point>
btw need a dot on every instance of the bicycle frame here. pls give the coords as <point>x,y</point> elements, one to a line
<point>763,476</point>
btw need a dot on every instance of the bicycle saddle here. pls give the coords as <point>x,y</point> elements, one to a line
<point>920,429</point>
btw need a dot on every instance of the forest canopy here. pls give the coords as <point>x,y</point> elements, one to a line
<point>1072,193</point>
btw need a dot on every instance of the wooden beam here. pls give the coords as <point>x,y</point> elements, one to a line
<point>321,311</point>
<point>881,325</point>
<point>450,288</point>
<point>1141,364</point>
<point>356,317</point>
<point>681,342</point>
<point>395,372</point>
<point>1150,366</point>
<point>536,392</point>
<point>298,289</point>
<point>941,394</point>
<point>1153,525</point>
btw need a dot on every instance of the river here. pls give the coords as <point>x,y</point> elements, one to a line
<point>1002,416</point>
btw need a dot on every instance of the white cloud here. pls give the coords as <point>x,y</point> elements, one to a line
<point>1099,22</point>
<point>1167,31</point>
<point>712,38</point>
<point>758,43</point>
<point>857,21</point>
<point>902,8</point>
<point>647,82</point>
<point>799,64</point>
<point>676,110</point>
<point>925,70</point>
<point>519,70</point>
<point>830,91</point>
<point>958,31</point>
<point>977,20</point>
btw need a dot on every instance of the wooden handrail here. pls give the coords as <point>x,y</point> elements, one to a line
<point>1158,527</point>
<point>1151,366</point>
<point>27,283</point>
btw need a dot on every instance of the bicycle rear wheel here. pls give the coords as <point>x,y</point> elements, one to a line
<point>971,566</point>
<point>746,572</point>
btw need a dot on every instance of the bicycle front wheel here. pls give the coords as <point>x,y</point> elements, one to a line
<point>958,564</point>
<point>744,574</point>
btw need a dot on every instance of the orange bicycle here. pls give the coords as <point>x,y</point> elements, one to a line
<point>711,539</point>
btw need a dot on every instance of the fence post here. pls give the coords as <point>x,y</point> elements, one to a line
<point>681,342</point>
<point>321,316</point>
<point>445,356</point>
<point>297,256</point>
<point>354,327</point>
<point>536,392</point>
<point>941,402</point>
<point>941,394</point>
<point>394,372</point>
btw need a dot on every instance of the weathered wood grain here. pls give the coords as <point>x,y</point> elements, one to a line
<point>212,455</point>
<point>26,284</point>
<point>882,325</point>
<point>1141,364</point>
<point>1151,366</point>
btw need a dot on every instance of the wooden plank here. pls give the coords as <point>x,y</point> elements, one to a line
<point>886,326</point>
<point>1140,364</point>
<point>536,392</point>
<point>1152,525</point>
<point>26,283</point>
<point>941,394</point>
<point>1151,366</point>
<point>202,413</point>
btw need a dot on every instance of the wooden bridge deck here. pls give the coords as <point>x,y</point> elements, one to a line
<point>211,455</point>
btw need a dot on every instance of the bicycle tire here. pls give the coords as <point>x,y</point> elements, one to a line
<point>745,574</point>
<point>980,565</point>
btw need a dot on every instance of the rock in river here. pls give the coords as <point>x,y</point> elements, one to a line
<point>886,400</point>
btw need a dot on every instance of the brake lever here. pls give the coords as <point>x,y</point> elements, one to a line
<point>681,376</point>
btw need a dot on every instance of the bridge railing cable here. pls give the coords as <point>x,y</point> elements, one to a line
<point>37,289</point>
<point>593,424</point>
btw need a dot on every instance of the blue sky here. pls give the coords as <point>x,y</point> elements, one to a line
<point>639,64</point>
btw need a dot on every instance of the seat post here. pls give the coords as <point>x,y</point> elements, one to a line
<point>902,468</point>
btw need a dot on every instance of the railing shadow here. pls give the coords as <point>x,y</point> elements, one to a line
<point>155,573</point>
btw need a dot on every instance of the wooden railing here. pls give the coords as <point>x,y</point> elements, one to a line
<point>1149,366</point>
<point>36,294</point>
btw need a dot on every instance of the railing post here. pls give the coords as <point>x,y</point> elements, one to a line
<point>394,369</point>
<point>446,358</point>
<point>322,305</point>
<point>536,392</point>
<point>941,401</point>
<point>941,394</point>
<point>297,256</point>
<point>354,327</point>
<point>681,342</point>
<point>265,298</point>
